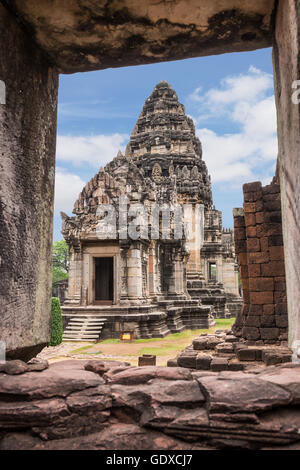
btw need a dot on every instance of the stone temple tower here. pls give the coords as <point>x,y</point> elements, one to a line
<point>151,285</point>
<point>163,143</point>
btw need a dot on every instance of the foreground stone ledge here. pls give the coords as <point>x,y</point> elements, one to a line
<point>122,407</point>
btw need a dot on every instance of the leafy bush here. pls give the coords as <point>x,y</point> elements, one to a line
<point>60,262</point>
<point>56,322</point>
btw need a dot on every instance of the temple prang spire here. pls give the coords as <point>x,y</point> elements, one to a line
<point>164,135</point>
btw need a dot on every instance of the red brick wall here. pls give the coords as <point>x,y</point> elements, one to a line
<point>259,248</point>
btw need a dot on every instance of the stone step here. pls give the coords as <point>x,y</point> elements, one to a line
<point>84,329</point>
<point>87,323</point>
<point>100,320</point>
<point>76,340</point>
<point>83,325</point>
<point>206,292</point>
<point>195,283</point>
<point>80,320</point>
<point>81,337</point>
<point>77,327</point>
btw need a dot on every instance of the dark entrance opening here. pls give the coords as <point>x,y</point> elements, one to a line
<point>212,271</point>
<point>104,280</point>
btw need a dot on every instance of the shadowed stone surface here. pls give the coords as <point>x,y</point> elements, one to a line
<point>242,394</point>
<point>37,364</point>
<point>48,383</point>
<point>117,436</point>
<point>27,171</point>
<point>158,409</point>
<point>93,34</point>
<point>100,367</point>
<point>140,375</point>
<point>178,392</point>
<point>15,367</point>
<point>286,58</point>
<point>289,379</point>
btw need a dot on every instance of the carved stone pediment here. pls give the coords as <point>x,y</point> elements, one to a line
<point>157,173</point>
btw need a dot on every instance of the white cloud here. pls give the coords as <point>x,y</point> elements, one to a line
<point>226,156</point>
<point>247,102</point>
<point>240,88</point>
<point>67,189</point>
<point>96,150</point>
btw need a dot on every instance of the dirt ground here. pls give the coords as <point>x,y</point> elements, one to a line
<point>164,348</point>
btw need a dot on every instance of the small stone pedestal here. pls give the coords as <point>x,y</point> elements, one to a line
<point>147,360</point>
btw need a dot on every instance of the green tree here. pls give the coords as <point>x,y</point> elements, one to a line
<point>60,261</point>
<point>56,327</point>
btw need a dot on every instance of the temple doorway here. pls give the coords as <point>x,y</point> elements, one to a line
<point>104,280</point>
<point>212,271</point>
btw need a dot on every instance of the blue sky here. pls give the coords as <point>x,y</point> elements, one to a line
<point>230,97</point>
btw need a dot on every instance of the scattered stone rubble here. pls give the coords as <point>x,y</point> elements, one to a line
<point>224,351</point>
<point>107,405</point>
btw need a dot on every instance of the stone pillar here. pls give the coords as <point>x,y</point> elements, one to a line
<point>123,274</point>
<point>171,275</point>
<point>286,57</point>
<point>134,273</point>
<point>195,243</point>
<point>75,281</point>
<point>179,274</point>
<point>27,141</point>
<point>174,272</point>
<point>152,271</point>
<point>219,267</point>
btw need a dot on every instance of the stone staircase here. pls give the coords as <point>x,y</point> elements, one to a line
<point>84,328</point>
<point>210,294</point>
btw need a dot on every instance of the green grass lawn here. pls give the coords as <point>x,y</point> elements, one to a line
<point>170,345</point>
<point>174,346</point>
<point>161,350</point>
<point>82,350</point>
<point>221,324</point>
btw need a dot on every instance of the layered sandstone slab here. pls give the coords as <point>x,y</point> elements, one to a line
<point>95,405</point>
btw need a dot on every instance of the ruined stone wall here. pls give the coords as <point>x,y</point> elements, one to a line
<point>259,247</point>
